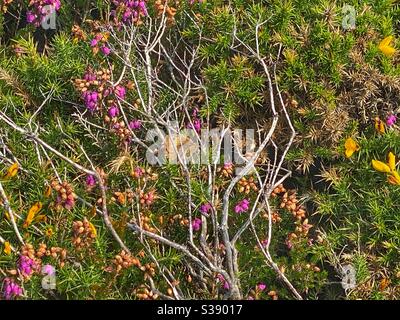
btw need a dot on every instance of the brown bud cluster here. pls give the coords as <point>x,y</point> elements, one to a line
<point>273,295</point>
<point>57,253</point>
<point>145,174</point>
<point>149,270</point>
<point>275,217</point>
<point>28,251</point>
<point>119,128</point>
<point>181,219</point>
<point>278,190</point>
<point>78,34</point>
<point>142,293</point>
<point>147,198</point>
<point>83,234</point>
<point>246,185</point>
<point>5,5</point>
<point>226,170</point>
<point>291,203</point>
<point>170,11</point>
<point>146,223</point>
<point>308,266</point>
<point>98,81</point>
<point>302,228</point>
<point>65,195</point>
<point>123,261</point>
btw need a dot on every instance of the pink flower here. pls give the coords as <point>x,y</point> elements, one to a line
<point>11,289</point>
<point>30,17</point>
<point>120,92</point>
<point>205,208</point>
<point>113,111</point>
<point>196,224</point>
<point>90,181</point>
<point>106,50</point>
<point>261,286</point>
<point>222,280</point>
<point>391,120</point>
<point>26,266</point>
<point>93,42</point>
<point>264,243</point>
<point>242,206</point>
<point>135,124</point>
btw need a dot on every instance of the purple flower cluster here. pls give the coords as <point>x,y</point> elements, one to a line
<point>135,124</point>
<point>120,92</point>
<point>129,10</point>
<point>196,224</point>
<point>99,40</point>
<point>11,289</point>
<point>26,266</point>
<point>39,11</point>
<point>193,1</point>
<point>91,99</point>
<point>391,120</point>
<point>205,208</point>
<point>222,280</point>
<point>113,111</point>
<point>196,121</point>
<point>261,286</point>
<point>90,181</point>
<point>242,206</point>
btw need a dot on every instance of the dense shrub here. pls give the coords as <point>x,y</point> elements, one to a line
<point>82,198</point>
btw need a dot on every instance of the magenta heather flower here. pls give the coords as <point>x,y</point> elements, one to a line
<point>135,124</point>
<point>91,99</point>
<point>113,111</point>
<point>196,224</point>
<point>39,10</point>
<point>26,266</point>
<point>242,206</point>
<point>89,76</point>
<point>261,286</point>
<point>222,280</point>
<point>30,17</point>
<point>205,208</point>
<point>106,50</point>
<point>93,42</point>
<point>129,10</point>
<point>90,181</point>
<point>138,172</point>
<point>391,120</point>
<point>120,92</point>
<point>11,289</point>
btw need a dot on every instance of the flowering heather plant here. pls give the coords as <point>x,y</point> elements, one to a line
<point>242,206</point>
<point>129,11</point>
<point>26,266</point>
<point>11,290</point>
<point>39,10</point>
<point>170,150</point>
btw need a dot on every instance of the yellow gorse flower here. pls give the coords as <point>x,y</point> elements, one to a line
<point>385,46</point>
<point>92,227</point>
<point>32,213</point>
<point>350,147</point>
<point>380,166</point>
<point>379,125</point>
<point>7,248</point>
<point>11,171</point>
<point>389,168</point>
